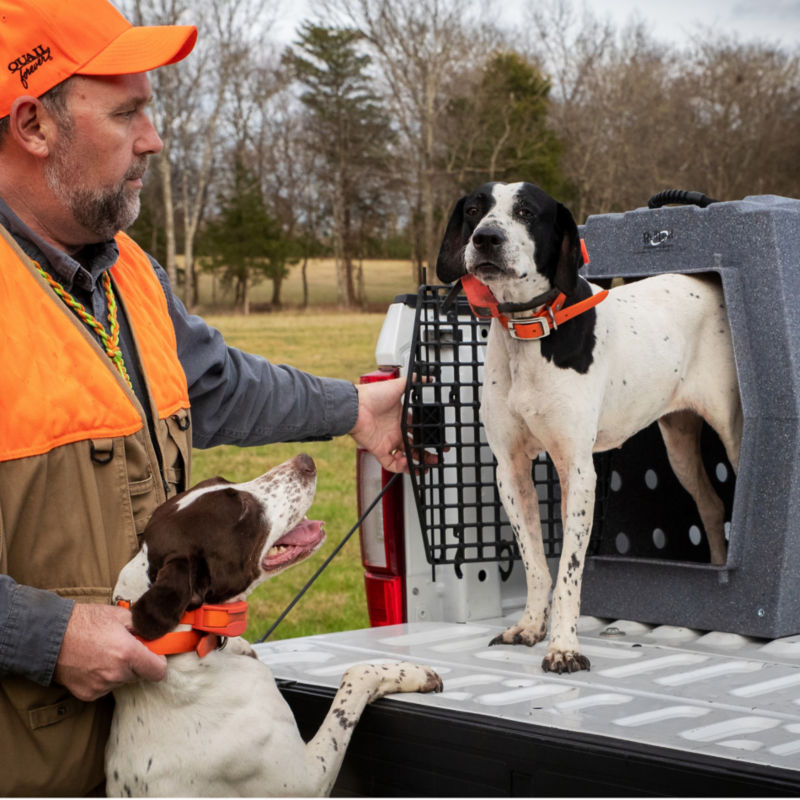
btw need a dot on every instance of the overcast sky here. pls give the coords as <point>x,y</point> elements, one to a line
<point>776,21</point>
<point>677,20</point>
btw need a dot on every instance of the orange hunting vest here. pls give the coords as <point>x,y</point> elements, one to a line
<point>79,479</point>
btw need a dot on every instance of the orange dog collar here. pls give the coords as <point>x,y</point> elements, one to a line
<point>541,323</point>
<point>210,623</point>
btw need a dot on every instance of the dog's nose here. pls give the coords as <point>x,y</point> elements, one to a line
<point>488,238</point>
<point>305,463</point>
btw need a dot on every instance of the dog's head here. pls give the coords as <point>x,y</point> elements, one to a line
<point>513,237</point>
<point>219,540</point>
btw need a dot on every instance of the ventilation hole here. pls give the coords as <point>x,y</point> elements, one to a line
<point>651,479</point>
<point>722,472</point>
<point>616,481</point>
<point>623,543</point>
<point>659,538</point>
<point>695,535</point>
<point>482,575</point>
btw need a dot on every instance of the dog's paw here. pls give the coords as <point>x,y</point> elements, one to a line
<point>565,661</point>
<point>378,680</point>
<point>427,680</point>
<point>433,683</point>
<point>418,678</point>
<point>521,634</point>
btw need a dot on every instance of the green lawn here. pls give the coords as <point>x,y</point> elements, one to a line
<point>326,343</point>
<point>383,279</point>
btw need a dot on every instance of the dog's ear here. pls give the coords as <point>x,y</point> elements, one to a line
<point>161,607</point>
<point>570,259</point>
<point>450,263</point>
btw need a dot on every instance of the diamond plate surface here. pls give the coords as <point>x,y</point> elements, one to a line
<point>719,694</point>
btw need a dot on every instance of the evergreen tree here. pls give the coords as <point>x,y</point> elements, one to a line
<point>499,132</point>
<point>245,242</point>
<point>350,132</point>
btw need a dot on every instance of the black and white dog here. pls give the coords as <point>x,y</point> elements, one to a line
<point>572,370</point>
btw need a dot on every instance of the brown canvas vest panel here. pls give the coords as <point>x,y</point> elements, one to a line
<point>79,478</point>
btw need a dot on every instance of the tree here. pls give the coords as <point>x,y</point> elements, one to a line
<point>422,47</point>
<point>349,132</point>
<point>635,117</point>
<point>498,130</point>
<point>245,241</point>
<point>741,121</point>
<point>188,103</point>
<point>286,159</point>
<point>601,102</point>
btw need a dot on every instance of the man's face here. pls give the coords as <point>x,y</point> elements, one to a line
<point>95,167</point>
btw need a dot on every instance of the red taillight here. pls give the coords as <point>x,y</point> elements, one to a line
<point>385,599</point>
<point>381,533</point>
<point>380,374</point>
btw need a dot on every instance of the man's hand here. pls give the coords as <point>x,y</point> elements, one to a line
<point>377,429</point>
<point>99,653</point>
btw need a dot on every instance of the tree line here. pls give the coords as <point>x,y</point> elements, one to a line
<point>356,139</point>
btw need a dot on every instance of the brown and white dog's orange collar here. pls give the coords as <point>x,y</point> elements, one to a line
<point>209,624</point>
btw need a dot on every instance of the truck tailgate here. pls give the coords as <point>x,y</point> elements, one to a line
<point>664,710</point>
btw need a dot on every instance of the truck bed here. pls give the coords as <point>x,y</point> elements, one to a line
<point>663,711</point>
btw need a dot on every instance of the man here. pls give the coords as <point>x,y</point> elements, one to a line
<point>106,382</point>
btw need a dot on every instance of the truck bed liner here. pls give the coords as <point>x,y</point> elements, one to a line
<point>709,713</point>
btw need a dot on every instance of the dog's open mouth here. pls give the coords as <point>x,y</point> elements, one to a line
<point>297,544</point>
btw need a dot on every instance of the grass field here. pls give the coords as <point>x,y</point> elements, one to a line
<point>328,343</point>
<point>383,279</point>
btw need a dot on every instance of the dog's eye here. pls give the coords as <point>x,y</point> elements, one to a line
<point>525,213</point>
<point>471,211</point>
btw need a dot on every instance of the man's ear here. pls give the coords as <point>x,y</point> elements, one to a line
<point>570,259</point>
<point>161,607</point>
<point>450,263</point>
<point>32,126</point>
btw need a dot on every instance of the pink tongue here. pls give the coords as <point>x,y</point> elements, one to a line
<point>307,533</point>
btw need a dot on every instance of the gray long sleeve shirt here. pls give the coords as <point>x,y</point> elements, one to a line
<point>236,398</point>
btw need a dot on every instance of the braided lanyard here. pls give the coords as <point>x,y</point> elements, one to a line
<point>110,342</point>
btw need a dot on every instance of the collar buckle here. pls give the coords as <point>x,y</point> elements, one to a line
<point>526,328</point>
<point>541,324</point>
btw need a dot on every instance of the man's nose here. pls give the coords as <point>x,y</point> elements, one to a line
<point>148,142</point>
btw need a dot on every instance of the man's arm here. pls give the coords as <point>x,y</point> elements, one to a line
<point>240,398</point>
<point>32,625</point>
<point>86,648</point>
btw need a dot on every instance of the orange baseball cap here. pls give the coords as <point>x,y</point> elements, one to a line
<point>46,41</point>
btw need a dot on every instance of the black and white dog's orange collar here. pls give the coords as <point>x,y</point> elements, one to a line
<point>549,315</point>
<point>535,326</point>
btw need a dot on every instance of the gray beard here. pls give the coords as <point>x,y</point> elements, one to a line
<point>104,212</point>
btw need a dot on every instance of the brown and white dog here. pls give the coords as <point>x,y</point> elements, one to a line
<point>217,724</point>
<point>656,349</point>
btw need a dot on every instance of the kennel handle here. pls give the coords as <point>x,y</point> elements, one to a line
<point>680,197</point>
